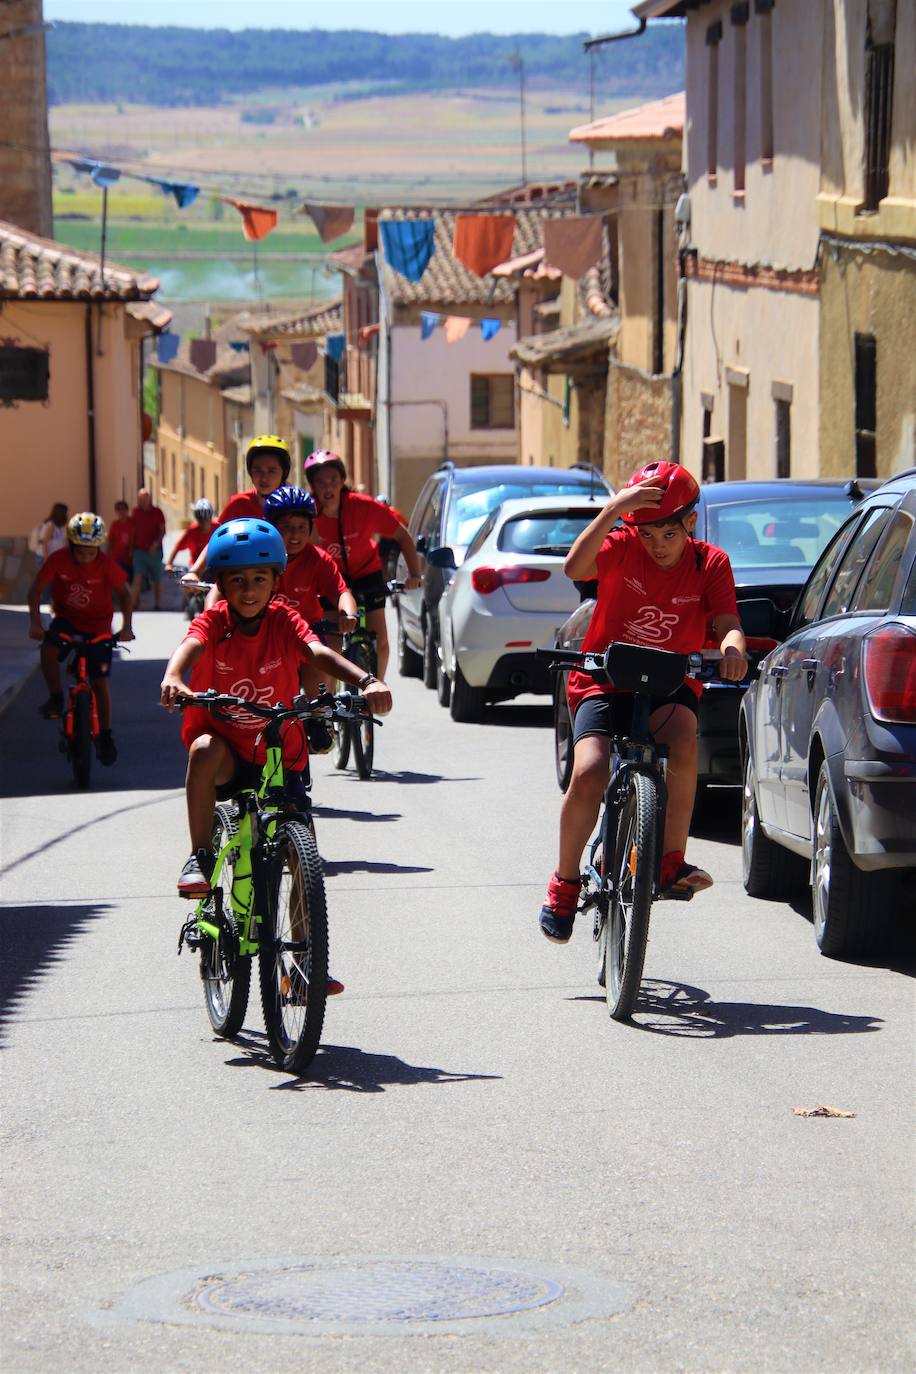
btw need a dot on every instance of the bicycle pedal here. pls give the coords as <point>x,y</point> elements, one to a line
<point>671,894</point>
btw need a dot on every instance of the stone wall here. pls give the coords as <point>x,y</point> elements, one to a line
<point>637,421</point>
<point>25,160</point>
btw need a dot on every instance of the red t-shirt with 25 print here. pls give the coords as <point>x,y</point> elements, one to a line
<point>310,575</point>
<point>81,592</point>
<point>659,608</point>
<point>263,667</point>
<point>362,517</point>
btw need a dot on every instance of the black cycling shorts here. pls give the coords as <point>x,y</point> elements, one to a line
<point>370,591</point>
<point>612,712</point>
<point>98,659</point>
<point>247,777</point>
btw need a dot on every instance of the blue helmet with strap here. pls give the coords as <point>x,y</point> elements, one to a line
<point>245,544</point>
<point>289,501</point>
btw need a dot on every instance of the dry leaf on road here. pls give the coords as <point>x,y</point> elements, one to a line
<point>820,1111</point>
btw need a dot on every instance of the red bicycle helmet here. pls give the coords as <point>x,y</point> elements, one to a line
<point>682,492</point>
<point>322,458</point>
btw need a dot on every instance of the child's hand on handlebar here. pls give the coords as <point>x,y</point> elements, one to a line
<point>170,689</point>
<point>36,632</point>
<point>411,583</point>
<point>125,635</point>
<point>346,624</point>
<point>378,698</point>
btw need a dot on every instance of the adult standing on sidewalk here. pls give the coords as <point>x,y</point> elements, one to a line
<point>52,534</point>
<point>149,532</point>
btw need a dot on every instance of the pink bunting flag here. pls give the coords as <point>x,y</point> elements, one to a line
<point>304,355</point>
<point>456,326</point>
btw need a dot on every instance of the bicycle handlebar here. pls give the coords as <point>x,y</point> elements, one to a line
<point>342,706</point>
<point>595,663</point>
<point>65,641</point>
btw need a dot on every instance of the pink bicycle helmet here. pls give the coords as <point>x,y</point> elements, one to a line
<point>323,458</point>
<point>682,492</point>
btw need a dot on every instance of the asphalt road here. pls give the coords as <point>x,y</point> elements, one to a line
<point>472,1103</point>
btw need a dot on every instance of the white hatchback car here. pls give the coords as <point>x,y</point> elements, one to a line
<point>506,600</point>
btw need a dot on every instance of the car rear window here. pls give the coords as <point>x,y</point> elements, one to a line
<point>788,531</point>
<point>469,508</point>
<point>548,532</point>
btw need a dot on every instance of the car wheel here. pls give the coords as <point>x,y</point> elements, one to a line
<point>767,869</point>
<point>467,702</point>
<point>562,734</point>
<point>409,662</point>
<point>852,909</point>
<point>430,656</point>
<point>443,684</point>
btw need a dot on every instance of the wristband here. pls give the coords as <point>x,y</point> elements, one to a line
<point>365,681</point>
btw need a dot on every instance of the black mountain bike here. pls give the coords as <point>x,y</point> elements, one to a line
<point>267,893</point>
<point>620,880</point>
<point>359,647</point>
<point>80,720</point>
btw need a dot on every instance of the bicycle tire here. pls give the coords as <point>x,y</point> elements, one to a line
<point>79,746</point>
<point>635,852</point>
<point>341,744</point>
<point>293,960</point>
<point>225,974</point>
<point>363,745</point>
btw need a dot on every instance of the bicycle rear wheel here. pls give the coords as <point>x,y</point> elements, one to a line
<point>225,974</point>
<point>293,960</point>
<point>631,902</point>
<point>79,746</point>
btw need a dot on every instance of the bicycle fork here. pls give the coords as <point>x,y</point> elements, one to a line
<point>241,919</point>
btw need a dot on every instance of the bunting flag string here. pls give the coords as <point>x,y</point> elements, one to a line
<point>488,328</point>
<point>409,244</point>
<point>429,323</point>
<point>257,222</point>
<point>334,345</point>
<point>167,346</point>
<point>202,354</point>
<point>456,326</point>
<point>304,355</point>
<point>482,242</point>
<point>331,221</point>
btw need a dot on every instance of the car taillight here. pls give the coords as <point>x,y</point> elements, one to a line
<point>487,580</point>
<point>889,670</point>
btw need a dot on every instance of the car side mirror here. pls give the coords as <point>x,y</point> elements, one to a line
<point>443,557</point>
<point>761,618</point>
<point>421,542</point>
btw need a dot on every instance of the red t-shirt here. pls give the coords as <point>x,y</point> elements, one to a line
<point>244,505</point>
<point>195,540</point>
<point>81,592</point>
<point>310,575</point>
<point>149,527</point>
<point>262,667</point>
<point>362,517</point>
<point>660,608</point>
<point>121,539</point>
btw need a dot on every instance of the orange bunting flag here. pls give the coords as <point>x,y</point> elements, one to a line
<point>256,222</point>
<point>456,326</point>
<point>482,242</point>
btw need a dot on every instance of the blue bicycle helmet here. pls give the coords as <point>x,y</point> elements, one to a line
<point>245,544</point>
<point>289,501</point>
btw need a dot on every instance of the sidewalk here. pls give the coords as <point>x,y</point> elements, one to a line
<point>18,653</point>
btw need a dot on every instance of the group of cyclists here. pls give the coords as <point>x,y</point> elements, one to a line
<point>281,558</point>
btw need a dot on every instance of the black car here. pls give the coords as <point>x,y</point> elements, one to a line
<point>828,732</point>
<point>772,533</point>
<point>450,509</point>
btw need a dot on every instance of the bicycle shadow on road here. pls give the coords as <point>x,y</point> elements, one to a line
<point>346,1068</point>
<point>333,868</point>
<point>677,1009</point>
<point>320,812</point>
<point>35,938</point>
<point>406,776</point>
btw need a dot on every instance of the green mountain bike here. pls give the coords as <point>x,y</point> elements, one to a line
<point>267,893</point>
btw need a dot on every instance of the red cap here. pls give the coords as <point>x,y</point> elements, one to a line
<point>682,492</point>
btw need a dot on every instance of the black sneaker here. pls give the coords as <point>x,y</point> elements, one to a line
<point>53,708</point>
<point>320,737</point>
<point>558,914</point>
<point>195,876</point>
<point>105,748</point>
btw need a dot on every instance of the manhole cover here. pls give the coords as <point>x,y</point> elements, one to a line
<point>372,1295</point>
<point>378,1291</point>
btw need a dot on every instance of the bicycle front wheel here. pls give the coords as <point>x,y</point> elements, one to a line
<point>633,873</point>
<point>80,743</point>
<point>341,743</point>
<point>363,745</point>
<point>293,960</point>
<point>224,972</point>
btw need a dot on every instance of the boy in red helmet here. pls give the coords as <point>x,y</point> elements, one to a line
<point>658,587</point>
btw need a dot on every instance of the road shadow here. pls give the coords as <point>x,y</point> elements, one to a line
<point>509,713</point>
<point>717,815</point>
<point>406,776</point>
<point>320,811</point>
<point>81,826</point>
<point>345,1068</point>
<point>35,938</point>
<point>899,952</point>
<point>677,1009</point>
<point>334,867</point>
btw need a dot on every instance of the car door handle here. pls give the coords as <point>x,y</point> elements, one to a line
<point>780,671</point>
<point>810,665</point>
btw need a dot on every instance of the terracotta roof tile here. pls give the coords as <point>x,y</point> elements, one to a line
<point>308,322</point>
<point>659,121</point>
<point>561,347</point>
<point>447,281</point>
<point>33,268</point>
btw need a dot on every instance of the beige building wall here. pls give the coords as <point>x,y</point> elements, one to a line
<point>47,446</point>
<point>195,455</point>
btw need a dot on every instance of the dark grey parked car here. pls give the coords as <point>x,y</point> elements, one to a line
<point>450,509</point>
<point>828,732</point>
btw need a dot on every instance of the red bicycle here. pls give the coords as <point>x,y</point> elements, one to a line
<point>80,721</point>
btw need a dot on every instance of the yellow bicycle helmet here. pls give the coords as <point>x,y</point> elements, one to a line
<point>269,443</point>
<point>87,529</point>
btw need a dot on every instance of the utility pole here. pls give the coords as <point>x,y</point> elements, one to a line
<point>519,62</point>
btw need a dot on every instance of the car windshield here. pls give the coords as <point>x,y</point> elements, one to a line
<point>470,508</point>
<point>549,531</point>
<point>789,531</point>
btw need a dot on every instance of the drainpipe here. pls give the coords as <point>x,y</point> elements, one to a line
<point>677,374</point>
<point>90,412</point>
